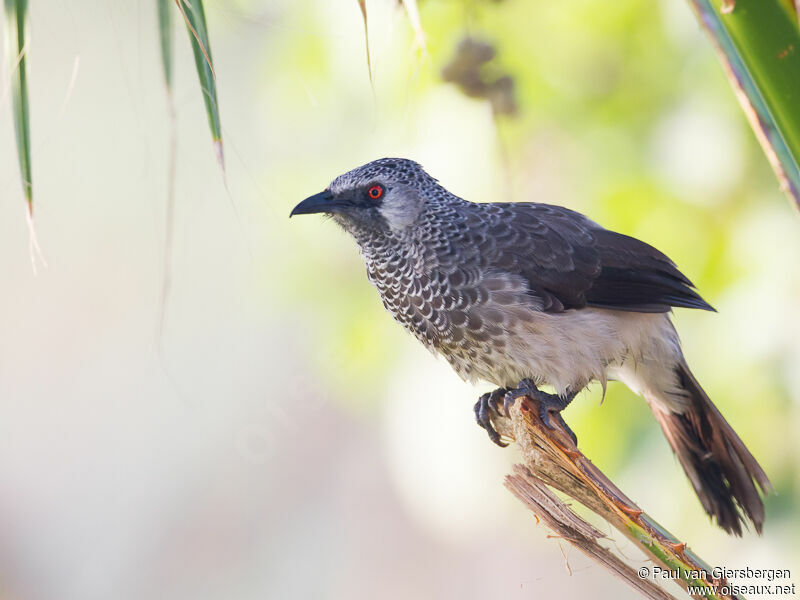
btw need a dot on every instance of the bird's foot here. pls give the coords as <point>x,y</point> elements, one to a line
<point>549,404</point>
<point>486,405</point>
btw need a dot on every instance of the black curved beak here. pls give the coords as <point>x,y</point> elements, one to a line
<point>318,203</point>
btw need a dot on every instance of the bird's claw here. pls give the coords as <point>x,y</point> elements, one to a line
<point>544,415</point>
<point>526,387</point>
<point>549,404</point>
<point>484,407</point>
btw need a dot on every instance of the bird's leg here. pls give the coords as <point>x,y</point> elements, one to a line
<point>548,404</point>
<point>484,407</point>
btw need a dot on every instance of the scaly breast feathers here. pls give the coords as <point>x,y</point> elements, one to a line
<point>489,327</point>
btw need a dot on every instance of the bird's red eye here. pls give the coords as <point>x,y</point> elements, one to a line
<point>375,192</point>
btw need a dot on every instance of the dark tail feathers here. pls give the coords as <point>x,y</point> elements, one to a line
<point>722,471</point>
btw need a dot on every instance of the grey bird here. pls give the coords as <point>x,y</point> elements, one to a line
<point>525,294</point>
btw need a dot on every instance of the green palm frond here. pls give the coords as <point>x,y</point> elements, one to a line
<point>16,17</point>
<point>758,42</point>
<point>195,17</point>
<point>165,39</point>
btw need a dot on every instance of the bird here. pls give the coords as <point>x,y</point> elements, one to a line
<point>523,295</point>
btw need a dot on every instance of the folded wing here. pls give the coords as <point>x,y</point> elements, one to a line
<point>572,262</point>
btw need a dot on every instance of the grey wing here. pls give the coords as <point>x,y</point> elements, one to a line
<point>572,262</point>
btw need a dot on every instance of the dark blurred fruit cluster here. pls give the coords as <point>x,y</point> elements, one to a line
<point>475,72</point>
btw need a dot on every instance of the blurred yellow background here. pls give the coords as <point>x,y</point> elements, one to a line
<point>283,438</point>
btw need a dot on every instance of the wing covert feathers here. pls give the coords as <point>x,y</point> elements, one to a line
<point>571,262</point>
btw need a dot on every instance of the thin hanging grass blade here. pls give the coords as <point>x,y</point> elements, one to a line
<point>362,4</point>
<point>165,27</point>
<point>758,43</point>
<point>165,39</point>
<point>412,11</point>
<point>195,17</point>
<point>16,13</point>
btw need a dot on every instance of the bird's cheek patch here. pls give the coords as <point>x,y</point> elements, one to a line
<point>401,214</point>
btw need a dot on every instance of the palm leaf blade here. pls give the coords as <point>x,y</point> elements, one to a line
<point>195,18</point>
<point>165,39</point>
<point>16,16</point>
<point>758,43</point>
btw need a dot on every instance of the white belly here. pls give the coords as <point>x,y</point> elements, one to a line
<point>569,350</point>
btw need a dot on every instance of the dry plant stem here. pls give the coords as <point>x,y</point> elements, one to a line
<point>552,458</point>
<point>569,526</point>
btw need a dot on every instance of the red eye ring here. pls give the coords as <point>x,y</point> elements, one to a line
<point>375,192</point>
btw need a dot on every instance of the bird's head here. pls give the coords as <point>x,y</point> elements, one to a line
<point>385,195</point>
